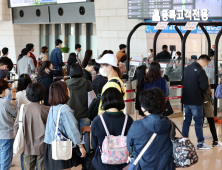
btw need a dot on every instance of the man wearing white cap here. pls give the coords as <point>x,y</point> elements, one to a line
<point>110,70</point>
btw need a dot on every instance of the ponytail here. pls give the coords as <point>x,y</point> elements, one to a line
<point>44,65</point>
<point>23,52</point>
<point>118,71</point>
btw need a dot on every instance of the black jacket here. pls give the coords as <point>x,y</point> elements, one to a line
<point>98,84</point>
<point>194,82</point>
<point>87,75</point>
<point>46,80</point>
<point>163,56</point>
<point>114,123</point>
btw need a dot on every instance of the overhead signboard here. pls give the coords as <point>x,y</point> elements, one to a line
<point>144,9</point>
<point>20,3</point>
<point>197,30</point>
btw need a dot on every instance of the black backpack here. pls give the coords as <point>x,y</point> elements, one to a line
<point>94,106</point>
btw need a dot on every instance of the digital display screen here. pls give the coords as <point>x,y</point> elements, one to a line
<point>20,3</point>
<point>143,9</point>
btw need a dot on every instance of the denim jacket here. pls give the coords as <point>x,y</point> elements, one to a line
<point>56,59</point>
<point>67,125</point>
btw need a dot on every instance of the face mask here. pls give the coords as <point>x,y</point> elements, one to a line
<point>102,72</point>
<point>124,51</point>
<point>6,92</point>
<point>149,54</point>
<point>51,72</point>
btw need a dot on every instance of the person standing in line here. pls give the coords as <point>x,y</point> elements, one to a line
<point>45,77</point>
<point>78,55</point>
<point>99,81</point>
<point>30,48</point>
<point>194,82</point>
<point>88,56</point>
<point>56,58</point>
<point>121,52</point>
<point>88,70</point>
<point>43,56</point>
<point>68,127</point>
<point>25,64</point>
<point>4,52</point>
<point>72,59</point>
<point>163,56</point>
<point>8,113</point>
<point>79,88</point>
<point>34,123</point>
<point>109,68</point>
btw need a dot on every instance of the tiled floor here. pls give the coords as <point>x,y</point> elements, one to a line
<point>208,159</point>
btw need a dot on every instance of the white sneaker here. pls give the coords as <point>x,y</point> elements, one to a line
<point>204,125</point>
<point>204,146</point>
<point>217,144</point>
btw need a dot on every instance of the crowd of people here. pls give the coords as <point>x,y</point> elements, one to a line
<point>44,101</point>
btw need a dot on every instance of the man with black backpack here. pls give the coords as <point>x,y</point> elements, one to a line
<point>195,82</point>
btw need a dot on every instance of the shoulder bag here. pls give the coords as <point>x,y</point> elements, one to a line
<point>61,149</point>
<point>19,143</point>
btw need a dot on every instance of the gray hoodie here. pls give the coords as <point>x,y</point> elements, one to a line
<point>79,88</point>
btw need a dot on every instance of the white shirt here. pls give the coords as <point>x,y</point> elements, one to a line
<point>79,56</point>
<point>21,98</point>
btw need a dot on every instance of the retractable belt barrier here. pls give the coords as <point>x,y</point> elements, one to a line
<point>167,98</point>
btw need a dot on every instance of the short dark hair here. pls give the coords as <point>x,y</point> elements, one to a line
<point>121,46</point>
<point>106,52</point>
<point>29,46</point>
<point>3,85</point>
<point>6,61</point>
<point>204,57</point>
<point>178,53</point>
<point>212,53</point>
<point>58,41</point>
<point>91,62</point>
<point>112,98</point>
<point>96,68</point>
<point>35,92</point>
<point>77,46</point>
<point>76,71</point>
<point>44,49</point>
<point>23,82</point>
<point>151,50</point>
<point>164,47</point>
<point>58,93</point>
<point>152,100</point>
<point>4,50</point>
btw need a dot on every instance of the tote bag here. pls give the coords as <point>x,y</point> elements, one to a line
<point>61,149</point>
<point>19,143</point>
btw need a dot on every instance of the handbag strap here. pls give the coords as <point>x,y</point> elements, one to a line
<point>57,124</point>
<point>124,126</point>
<point>104,125</point>
<point>145,148</point>
<point>21,115</point>
<point>172,132</point>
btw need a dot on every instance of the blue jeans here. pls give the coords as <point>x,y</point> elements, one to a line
<point>197,113</point>
<point>85,122</point>
<point>22,162</point>
<point>6,153</point>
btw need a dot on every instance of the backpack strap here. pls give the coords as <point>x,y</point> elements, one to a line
<point>104,125</point>
<point>124,126</point>
<point>117,81</point>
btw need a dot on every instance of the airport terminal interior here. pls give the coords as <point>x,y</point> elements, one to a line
<point>178,37</point>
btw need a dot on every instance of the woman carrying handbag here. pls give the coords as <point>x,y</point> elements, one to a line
<point>61,128</point>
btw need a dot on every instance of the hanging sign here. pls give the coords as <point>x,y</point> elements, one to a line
<point>190,26</point>
<point>189,14</point>
<point>161,25</point>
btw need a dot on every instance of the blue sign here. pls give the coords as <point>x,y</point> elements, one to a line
<point>171,29</point>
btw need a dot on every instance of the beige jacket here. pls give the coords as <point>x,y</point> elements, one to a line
<point>34,123</point>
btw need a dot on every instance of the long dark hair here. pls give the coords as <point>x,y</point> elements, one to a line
<point>23,53</point>
<point>153,73</point>
<point>88,55</point>
<point>45,64</point>
<point>140,73</point>
<point>72,59</point>
<point>23,82</point>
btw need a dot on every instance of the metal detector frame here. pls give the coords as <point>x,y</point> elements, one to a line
<point>183,45</point>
